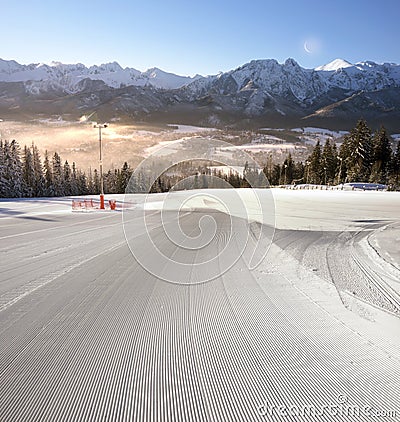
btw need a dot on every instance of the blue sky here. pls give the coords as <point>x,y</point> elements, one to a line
<point>186,37</point>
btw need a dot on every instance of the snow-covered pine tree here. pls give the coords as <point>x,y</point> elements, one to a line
<point>14,169</point>
<point>395,168</point>
<point>96,182</point>
<point>90,184</point>
<point>357,151</point>
<point>28,172</point>
<point>39,187</point>
<point>396,159</point>
<point>124,177</point>
<point>82,183</point>
<point>48,176</point>
<point>110,181</point>
<point>74,180</point>
<point>3,181</point>
<point>6,184</point>
<point>58,175</point>
<point>133,184</point>
<point>67,176</point>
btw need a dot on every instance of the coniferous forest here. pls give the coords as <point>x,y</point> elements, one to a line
<point>24,173</point>
<point>363,156</point>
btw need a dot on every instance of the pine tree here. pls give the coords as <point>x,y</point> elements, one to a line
<point>74,180</point>
<point>288,170</point>
<point>233,179</point>
<point>124,177</point>
<point>14,173</point>
<point>395,168</point>
<point>3,181</point>
<point>90,184</point>
<point>67,179</point>
<point>382,155</point>
<point>39,186</point>
<point>329,162</point>
<point>96,182</point>
<point>58,175</point>
<point>82,183</point>
<point>275,175</point>
<point>28,173</point>
<point>48,176</point>
<point>357,152</point>
<point>316,169</point>
<point>298,172</point>
<point>109,182</point>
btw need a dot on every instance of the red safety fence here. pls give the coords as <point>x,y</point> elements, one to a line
<point>92,205</point>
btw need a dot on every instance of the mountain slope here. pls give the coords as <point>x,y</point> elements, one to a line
<point>258,93</point>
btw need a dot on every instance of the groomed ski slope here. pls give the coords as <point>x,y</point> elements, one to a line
<point>87,334</point>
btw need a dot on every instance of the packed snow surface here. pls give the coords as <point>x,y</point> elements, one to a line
<point>89,332</point>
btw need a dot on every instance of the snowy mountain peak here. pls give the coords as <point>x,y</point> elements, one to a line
<point>291,63</point>
<point>258,81</point>
<point>335,65</point>
<point>106,68</point>
<point>9,66</point>
<point>154,71</point>
<point>69,76</point>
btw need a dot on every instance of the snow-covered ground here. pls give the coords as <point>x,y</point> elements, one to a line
<point>320,131</point>
<point>89,331</point>
<point>190,129</point>
<point>165,147</point>
<point>259,147</point>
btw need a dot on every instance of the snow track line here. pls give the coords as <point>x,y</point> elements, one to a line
<point>59,274</point>
<point>357,353</point>
<point>89,241</point>
<point>257,338</point>
<point>70,409</point>
<point>397,269</point>
<point>363,273</point>
<point>26,289</point>
<point>52,228</point>
<point>374,279</point>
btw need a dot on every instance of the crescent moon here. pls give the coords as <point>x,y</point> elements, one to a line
<point>306,48</point>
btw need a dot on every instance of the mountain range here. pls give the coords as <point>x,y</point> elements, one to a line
<point>258,93</point>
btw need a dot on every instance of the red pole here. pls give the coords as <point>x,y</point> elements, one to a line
<point>102,202</point>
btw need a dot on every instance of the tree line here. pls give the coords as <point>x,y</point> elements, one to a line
<point>23,173</point>
<point>363,156</point>
<point>205,175</point>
